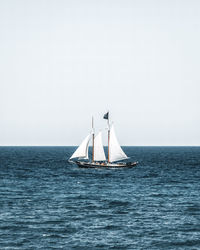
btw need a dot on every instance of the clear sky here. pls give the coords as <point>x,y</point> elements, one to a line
<point>62,61</point>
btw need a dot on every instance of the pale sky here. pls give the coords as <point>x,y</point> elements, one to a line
<point>63,61</point>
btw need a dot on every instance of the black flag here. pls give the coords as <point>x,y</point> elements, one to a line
<point>106,116</point>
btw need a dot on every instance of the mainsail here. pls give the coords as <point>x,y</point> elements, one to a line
<point>82,150</point>
<point>115,151</point>
<point>99,154</point>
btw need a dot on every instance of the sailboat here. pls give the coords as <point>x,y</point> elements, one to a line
<point>115,152</point>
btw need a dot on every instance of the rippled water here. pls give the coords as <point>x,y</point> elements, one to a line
<point>46,203</point>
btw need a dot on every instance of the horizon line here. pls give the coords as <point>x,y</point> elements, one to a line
<point>104,146</point>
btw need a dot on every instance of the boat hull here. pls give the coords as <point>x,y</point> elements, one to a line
<point>82,164</point>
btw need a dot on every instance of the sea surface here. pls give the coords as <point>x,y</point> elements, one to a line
<point>47,203</point>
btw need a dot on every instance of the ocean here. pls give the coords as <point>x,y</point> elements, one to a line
<point>47,203</point>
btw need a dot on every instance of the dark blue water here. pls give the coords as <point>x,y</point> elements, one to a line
<point>46,203</point>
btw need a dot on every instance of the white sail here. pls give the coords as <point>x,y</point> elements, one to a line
<point>82,150</point>
<point>115,151</point>
<point>86,157</point>
<point>99,154</point>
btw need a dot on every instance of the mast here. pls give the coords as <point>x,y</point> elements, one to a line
<point>106,116</point>
<point>108,140</point>
<point>92,139</point>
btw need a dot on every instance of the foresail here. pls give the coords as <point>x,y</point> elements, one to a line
<point>116,152</point>
<point>82,150</point>
<point>86,157</point>
<point>99,154</point>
